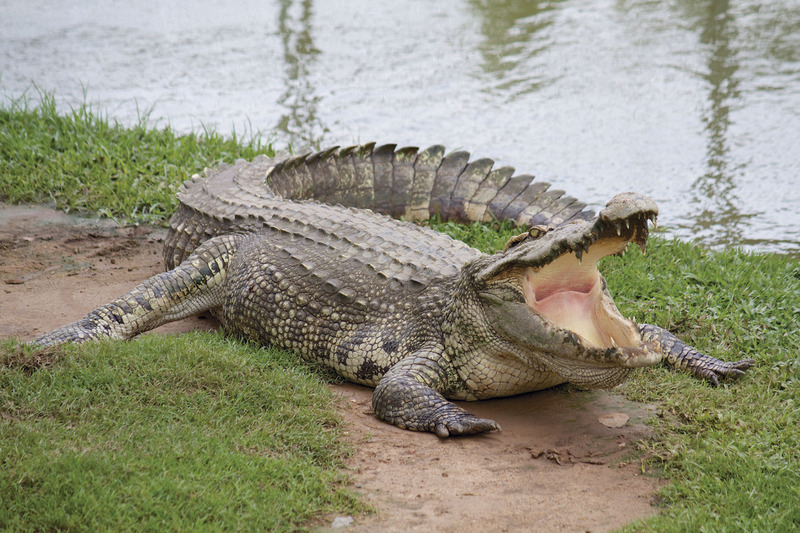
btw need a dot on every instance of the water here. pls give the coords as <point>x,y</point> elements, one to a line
<point>695,103</point>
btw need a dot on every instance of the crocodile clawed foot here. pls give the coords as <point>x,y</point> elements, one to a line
<point>465,424</point>
<point>726,370</point>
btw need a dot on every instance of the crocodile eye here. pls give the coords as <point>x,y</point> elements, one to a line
<point>533,233</point>
<point>537,231</point>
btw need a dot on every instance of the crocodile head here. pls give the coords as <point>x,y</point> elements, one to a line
<point>545,299</point>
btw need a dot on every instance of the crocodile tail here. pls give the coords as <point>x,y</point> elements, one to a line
<point>233,198</point>
<point>406,182</point>
<point>418,184</point>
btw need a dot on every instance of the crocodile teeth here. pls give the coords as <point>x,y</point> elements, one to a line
<point>579,255</point>
<point>619,229</point>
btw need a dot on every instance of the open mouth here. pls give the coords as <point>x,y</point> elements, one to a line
<point>569,291</point>
<point>569,294</point>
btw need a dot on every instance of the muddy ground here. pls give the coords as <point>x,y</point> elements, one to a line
<point>555,466</point>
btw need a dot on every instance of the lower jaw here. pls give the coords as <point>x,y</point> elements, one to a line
<point>602,378</point>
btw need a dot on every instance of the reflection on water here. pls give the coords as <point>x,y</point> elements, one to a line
<point>715,191</point>
<point>695,103</point>
<point>718,193</point>
<point>512,39</point>
<point>299,100</point>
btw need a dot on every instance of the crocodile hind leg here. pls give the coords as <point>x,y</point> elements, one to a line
<point>407,397</point>
<point>190,288</point>
<point>684,357</point>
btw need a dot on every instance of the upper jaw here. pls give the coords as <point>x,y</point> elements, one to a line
<point>624,219</point>
<point>627,215</point>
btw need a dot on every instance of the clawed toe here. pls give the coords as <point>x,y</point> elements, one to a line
<point>730,370</point>
<point>469,425</point>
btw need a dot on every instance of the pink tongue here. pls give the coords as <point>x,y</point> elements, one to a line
<point>570,309</point>
<point>555,290</point>
<point>566,308</point>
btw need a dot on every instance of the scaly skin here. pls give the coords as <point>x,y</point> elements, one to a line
<point>422,318</point>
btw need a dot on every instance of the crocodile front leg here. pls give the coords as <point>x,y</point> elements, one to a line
<point>407,397</point>
<point>684,357</point>
<point>190,288</point>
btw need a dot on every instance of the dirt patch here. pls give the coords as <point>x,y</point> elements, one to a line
<point>555,466</point>
<point>30,363</point>
<point>55,268</point>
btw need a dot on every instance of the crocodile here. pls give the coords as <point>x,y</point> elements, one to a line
<point>302,253</point>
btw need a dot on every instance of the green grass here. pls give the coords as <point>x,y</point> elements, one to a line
<point>82,163</point>
<point>163,433</point>
<point>187,445</point>
<point>732,452</point>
